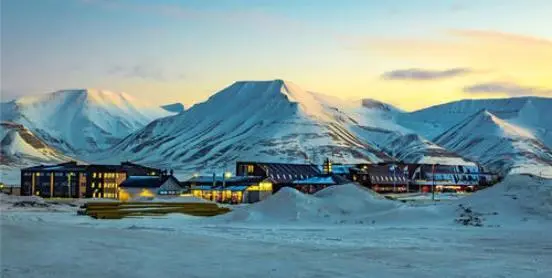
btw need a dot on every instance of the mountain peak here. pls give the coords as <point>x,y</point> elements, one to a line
<point>174,107</point>
<point>371,103</point>
<point>485,122</point>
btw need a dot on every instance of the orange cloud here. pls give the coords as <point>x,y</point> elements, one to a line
<point>498,58</point>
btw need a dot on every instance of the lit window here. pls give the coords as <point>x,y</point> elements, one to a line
<point>93,184</point>
<point>94,175</point>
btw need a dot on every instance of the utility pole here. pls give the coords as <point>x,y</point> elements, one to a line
<point>433,182</point>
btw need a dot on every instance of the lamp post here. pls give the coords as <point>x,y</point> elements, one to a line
<point>433,181</point>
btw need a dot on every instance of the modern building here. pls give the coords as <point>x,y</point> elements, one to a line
<point>382,178</point>
<point>67,180</point>
<point>281,174</point>
<point>228,189</point>
<point>73,180</point>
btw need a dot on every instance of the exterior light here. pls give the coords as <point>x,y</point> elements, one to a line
<point>227,175</point>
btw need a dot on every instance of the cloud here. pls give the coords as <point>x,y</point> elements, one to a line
<point>497,36</point>
<point>423,74</point>
<point>508,88</point>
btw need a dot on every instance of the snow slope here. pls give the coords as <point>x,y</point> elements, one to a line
<point>518,201</point>
<point>376,122</point>
<point>498,145</point>
<point>81,121</point>
<point>20,147</point>
<point>292,235</point>
<point>530,113</point>
<point>249,120</point>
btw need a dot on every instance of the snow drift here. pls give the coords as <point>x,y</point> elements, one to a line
<point>518,200</point>
<point>336,204</point>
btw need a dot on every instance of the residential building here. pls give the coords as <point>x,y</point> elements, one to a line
<point>149,187</point>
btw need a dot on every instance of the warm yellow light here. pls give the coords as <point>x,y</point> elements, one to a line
<point>123,195</point>
<point>146,193</point>
<point>228,175</point>
<point>262,186</point>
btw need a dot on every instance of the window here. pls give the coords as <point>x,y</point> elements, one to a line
<point>93,185</point>
<point>250,169</point>
<point>94,175</point>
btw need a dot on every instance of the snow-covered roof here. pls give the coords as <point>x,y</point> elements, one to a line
<point>316,180</point>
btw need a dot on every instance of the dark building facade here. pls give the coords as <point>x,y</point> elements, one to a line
<point>71,180</point>
<point>281,174</point>
<point>382,178</point>
<point>307,178</point>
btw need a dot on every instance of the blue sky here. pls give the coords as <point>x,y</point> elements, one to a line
<point>186,50</point>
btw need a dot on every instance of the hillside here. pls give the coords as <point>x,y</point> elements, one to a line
<point>499,145</point>
<point>258,120</point>
<point>81,121</point>
<point>530,113</point>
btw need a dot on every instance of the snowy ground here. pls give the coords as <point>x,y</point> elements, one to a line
<point>340,232</point>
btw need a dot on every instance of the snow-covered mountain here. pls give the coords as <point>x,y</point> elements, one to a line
<point>376,122</point>
<point>81,121</point>
<point>530,113</point>
<point>20,147</point>
<point>249,120</point>
<point>277,121</point>
<point>499,145</point>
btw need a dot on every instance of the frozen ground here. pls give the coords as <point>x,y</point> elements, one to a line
<point>340,232</point>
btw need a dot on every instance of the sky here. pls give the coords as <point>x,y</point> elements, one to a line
<point>410,53</point>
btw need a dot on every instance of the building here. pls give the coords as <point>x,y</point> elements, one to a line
<point>228,189</point>
<point>314,184</point>
<point>400,177</point>
<point>72,180</point>
<point>133,169</point>
<point>281,174</point>
<point>67,180</point>
<point>10,189</point>
<point>382,178</point>
<point>102,181</point>
<point>149,187</point>
<point>445,178</point>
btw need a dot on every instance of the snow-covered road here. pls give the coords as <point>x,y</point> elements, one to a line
<point>64,245</point>
<point>342,231</point>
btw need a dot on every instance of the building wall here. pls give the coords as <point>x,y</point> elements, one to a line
<point>104,183</point>
<point>249,169</point>
<point>47,184</point>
